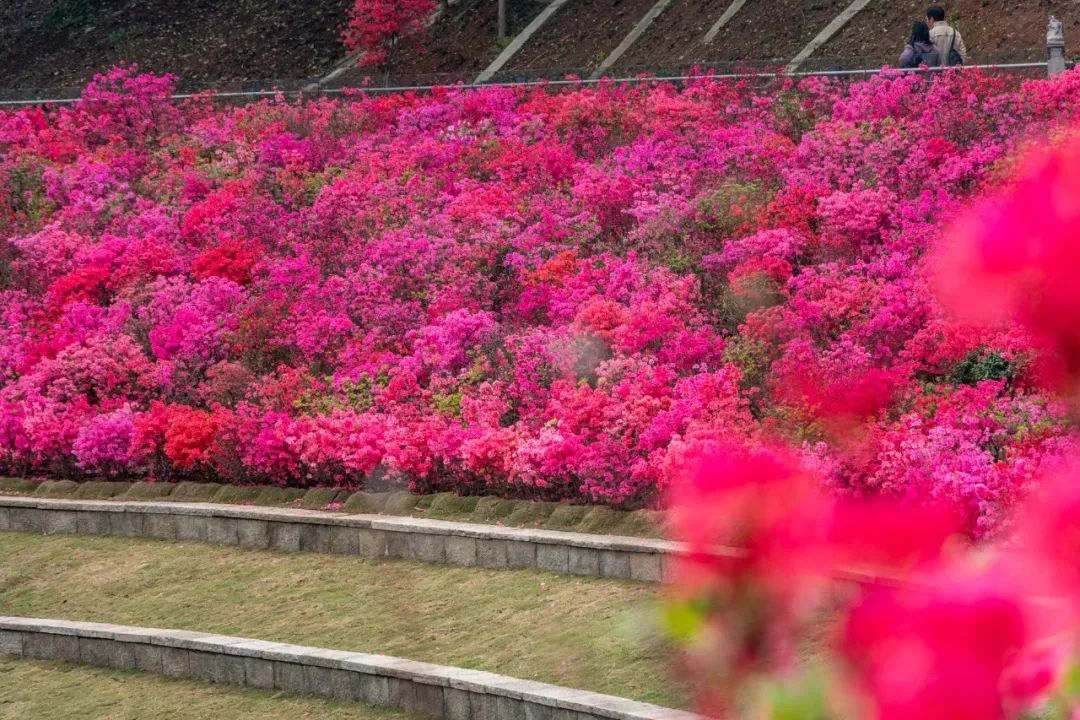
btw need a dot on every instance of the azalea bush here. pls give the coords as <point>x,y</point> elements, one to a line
<point>561,296</point>
<point>380,29</point>
<point>799,602</point>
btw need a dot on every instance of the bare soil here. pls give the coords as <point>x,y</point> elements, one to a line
<point>675,38</point>
<point>461,44</point>
<point>773,31</point>
<point>579,36</point>
<point>61,44</point>
<point>993,30</point>
<point>57,43</point>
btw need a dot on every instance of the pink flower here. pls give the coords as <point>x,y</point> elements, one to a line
<point>936,652</point>
<point>1014,256</point>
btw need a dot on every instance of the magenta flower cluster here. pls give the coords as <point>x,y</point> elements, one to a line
<point>523,292</point>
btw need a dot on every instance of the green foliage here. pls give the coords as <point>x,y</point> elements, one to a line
<point>102,490</point>
<point>530,514</point>
<point>448,404</point>
<point>600,519</point>
<point>981,365</point>
<point>400,503</point>
<point>278,496</point>
<point>69,16</point>
<point>567,516</point>
<point>684,619</point>
<point>121,36</point>
<point>805,698</point>
<point>57,488</point>
<point>26,197</point>
<point>679,262</point>
<point>319,498</point>
<point>449,505</point>
<point>350,395</point>
<point>194,492</point>
<point>491,509</point>
<point>149,491</point>
<point>792,115</point>
<point>366,503</point>
<point>751,357</point>
<point>17,485</point>
<point>642,523</point>
<point>722,211</point>
<point>235,494</point>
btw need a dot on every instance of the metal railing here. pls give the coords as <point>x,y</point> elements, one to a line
<point>310,88</point>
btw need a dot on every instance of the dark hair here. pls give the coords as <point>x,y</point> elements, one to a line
<point>935,13</point>
<point>920,32</point>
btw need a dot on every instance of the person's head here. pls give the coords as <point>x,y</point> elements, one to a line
<point>935,14</point>
<point>920,32</point>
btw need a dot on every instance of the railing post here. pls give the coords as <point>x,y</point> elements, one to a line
<point>1055,47</point>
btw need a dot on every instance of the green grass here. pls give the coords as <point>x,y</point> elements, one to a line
<point>34,690</point>
<point>588,633</point>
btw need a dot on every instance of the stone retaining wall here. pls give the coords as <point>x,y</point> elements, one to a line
<point>429,690</point>
<point>371,536</point>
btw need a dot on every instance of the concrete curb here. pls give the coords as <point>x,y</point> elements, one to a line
<point>434,691</point>
<point>371,536</point>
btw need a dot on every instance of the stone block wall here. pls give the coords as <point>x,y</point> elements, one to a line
<point>427,690</point>
<point>370,536</point>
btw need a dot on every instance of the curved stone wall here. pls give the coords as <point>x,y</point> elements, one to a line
<point>372,536</point>
<point>433,691</point>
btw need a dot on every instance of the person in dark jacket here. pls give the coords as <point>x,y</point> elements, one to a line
<point>919,50</point>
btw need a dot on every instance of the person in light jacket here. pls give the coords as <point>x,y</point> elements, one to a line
<point>946,39</point>
<point>920,51</point>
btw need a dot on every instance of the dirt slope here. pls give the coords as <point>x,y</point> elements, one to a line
<point>675,38</point>
<point>993,30</point>
<point>459,45</point>
<point>64,42</point>
<point>580,35</point>
<point>60,44</point>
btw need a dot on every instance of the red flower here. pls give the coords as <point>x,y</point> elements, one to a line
<point>190,436</point>
<point>378,26</point>
<point>1016,256</point>
<point>231,259</point>
<point>882,536</point>
<point>936,654</point>
<point>762,503</point>
<point>85,284</point>
<point>1050,529</point>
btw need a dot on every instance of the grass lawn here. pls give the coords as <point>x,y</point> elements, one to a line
<point>587,633</point>
<point>34,690</point>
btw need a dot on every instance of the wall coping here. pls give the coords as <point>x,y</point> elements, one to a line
<point>473,681</point>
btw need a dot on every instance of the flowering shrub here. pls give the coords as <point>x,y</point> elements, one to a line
<point>378,27</point>
<point>515,291</point>
<point>938,627</point>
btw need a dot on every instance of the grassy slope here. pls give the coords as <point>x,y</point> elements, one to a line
<point>31,690</point>
<point>582,632</point>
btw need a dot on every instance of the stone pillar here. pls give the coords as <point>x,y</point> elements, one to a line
<point>1055,47</point>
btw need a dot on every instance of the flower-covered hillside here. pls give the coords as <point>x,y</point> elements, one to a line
<point>513,291</point>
